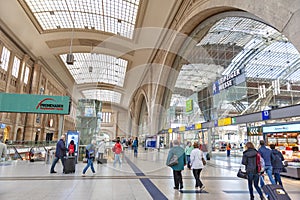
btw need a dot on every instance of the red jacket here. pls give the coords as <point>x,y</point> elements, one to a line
<point>118,148</point>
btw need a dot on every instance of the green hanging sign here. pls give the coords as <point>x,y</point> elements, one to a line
<point>29,103</point>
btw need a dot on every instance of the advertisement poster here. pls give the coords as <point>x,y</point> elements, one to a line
<point>73,135</point>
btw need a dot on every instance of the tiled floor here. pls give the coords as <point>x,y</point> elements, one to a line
<point>145,177</point>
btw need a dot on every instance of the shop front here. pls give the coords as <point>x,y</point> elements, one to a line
<point>286,137</point>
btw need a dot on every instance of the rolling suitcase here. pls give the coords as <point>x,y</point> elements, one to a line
<point>275,192</point>
<point>70,164</point>
<point>101,161</point>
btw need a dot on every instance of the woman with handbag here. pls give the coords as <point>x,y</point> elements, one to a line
<point>178,166</point>
<point>197,164</point>
<point>249,160</point>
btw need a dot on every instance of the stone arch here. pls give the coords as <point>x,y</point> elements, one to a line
<point>19,134</point>
<point>141,98</point>
<point>109,132</point>
<point>198,13</point>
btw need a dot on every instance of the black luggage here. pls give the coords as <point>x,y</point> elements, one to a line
<point>207,156</point>
<point>70,164</point>
<point>275,192</point>
<point>101,161</point>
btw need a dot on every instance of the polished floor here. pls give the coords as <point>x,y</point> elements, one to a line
<point>145,177</point>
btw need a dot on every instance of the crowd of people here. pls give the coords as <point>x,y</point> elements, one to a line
<point>193,156</point>
<point>272,165</point>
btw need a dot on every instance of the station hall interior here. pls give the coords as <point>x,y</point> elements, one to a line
<point>207,71</point>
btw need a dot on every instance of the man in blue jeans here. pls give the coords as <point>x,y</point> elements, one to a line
<point>60,152</point>
<point>90,155</point>
<point>266,154</point>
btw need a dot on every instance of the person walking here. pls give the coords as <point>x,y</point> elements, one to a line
<point>203,148</point>
<point>90,155</point>
<point>179,152</point>
<point>135,145</point>
<point>277,164</point>
<point>249,160</point>
<point>117,149</point>
<point>197,165</point>
<point>228,148</point>
<point>60,153</point>
<point>101,149</point>
<point>3,149</point>
<point>266,154</point>
<point>188,149</point>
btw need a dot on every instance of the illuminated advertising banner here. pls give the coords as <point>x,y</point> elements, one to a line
<point>189,105</point>
<point>29,103</point>
<point>73,135</point>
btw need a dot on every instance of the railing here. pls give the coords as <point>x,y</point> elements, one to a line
<point>29,150</point>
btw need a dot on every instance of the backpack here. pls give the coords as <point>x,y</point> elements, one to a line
<point>260,163</point>
<point>276,160</point>
<point>90,151</point>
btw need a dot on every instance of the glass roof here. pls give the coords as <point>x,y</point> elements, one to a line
<point>266,53</point>
<point>114,16</point>
<point>103,95</point>
<point>97,68</point>
<point>197,76</point>
<point>263,52</point>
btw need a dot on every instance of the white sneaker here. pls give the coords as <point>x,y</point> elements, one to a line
<point>83,175</point>
<point>202,188</point>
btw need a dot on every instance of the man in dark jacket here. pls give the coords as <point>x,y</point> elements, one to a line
<point>277,164</point>
<point>249,160</point>
<point>60,152</point>
<point>179,152</point>
<point>266,154</point>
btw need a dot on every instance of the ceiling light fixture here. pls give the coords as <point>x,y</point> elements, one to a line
<point>70,56</point>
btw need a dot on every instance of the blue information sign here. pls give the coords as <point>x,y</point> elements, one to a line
<point>265,114</point>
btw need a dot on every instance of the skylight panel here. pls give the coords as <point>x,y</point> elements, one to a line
<point>114,16</point>
<point>103,95</point>
<point>97,68</point>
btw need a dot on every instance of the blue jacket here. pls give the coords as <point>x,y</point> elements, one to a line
<point>179,151</point>
<point>135,143</point>
<point>266,154</point>
<point>60,149</point>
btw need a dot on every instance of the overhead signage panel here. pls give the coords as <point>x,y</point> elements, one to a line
<point>255,130</point>
<point>228,81</point>
<point>29,103</point>
<point>281,128</point>
<point>182,128</point>
<point>198,126</point>
<point>265,114</point>
<point>224,121</point>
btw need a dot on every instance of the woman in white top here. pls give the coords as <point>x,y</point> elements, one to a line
<point>101,149</point>
<point>197,165</point>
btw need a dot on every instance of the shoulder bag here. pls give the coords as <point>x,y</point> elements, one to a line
<point>173,161</point>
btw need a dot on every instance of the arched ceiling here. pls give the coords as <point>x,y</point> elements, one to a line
<point>101,35</point>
